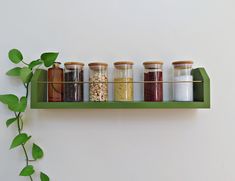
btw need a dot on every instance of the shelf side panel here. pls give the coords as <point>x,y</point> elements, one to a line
<point>201,90</point>
<point>38,90</point>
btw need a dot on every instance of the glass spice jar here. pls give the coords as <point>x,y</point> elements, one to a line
<point>98,81</point>
<point>55,78</point>
<point>123,81</point>
<point>73,86</point>
<point>183,81</point>
<point>153,72</point>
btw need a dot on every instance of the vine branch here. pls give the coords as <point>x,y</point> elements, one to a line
<point>20,128</point>
<point>18,106</point>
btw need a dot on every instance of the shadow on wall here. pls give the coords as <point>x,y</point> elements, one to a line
<point>126,115</point>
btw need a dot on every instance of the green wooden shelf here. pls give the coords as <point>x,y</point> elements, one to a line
<point>201,97</point>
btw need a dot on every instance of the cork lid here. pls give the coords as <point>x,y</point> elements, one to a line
<point>123,63</point>
<point>93,64</point>
<point>182,62</point>
<point>74,63</point>
<point>56,64</point>
<point>153,62</point>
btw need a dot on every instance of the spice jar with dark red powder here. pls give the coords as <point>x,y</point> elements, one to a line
<point>153,85</point>
<point>73,86</point>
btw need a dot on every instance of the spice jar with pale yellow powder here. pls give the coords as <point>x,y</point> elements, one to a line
<point>123,81</point>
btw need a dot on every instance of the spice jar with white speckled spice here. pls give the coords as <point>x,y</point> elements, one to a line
<point>98,81</point>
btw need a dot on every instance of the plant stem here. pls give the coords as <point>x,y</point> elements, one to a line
<point>21,124</point>
<point>24,62</point>
<point>20,127</point>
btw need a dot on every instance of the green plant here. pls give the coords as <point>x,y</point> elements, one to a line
<point>18,107</point>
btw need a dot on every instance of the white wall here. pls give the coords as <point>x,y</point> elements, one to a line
<point>125,145</point>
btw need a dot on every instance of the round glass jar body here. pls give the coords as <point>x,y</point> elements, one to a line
<point>123,81</point>
<point>73,86</point>
<point>55,77</point>
<point>153,72</point>
<point>183,81</point>
<point>98,82</point>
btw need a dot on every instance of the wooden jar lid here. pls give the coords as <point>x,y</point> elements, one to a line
<point>153,62</point>
<point>97,64</point>
<point>74,63</point>
<point>124,63</point>
<point>182,62</point>
<point>57,63</point>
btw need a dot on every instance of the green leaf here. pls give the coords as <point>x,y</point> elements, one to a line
<point>20,106</point>
<point>9,99</point>
<point>27,171</point>
<point>14,72</point>
<point>35,63</point>
<point>37,152</point>
<point>19,140</point>
<point>10,121</point>
<point>44,177</point>
<point>26,74</point>
<point>13,102</point>
<point>49,58</point>
<point>15,56</point>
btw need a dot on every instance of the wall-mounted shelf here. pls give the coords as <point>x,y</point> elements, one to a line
<point>201,96</point>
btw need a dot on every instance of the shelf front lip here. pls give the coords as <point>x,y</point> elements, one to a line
<point>117,82</point>
<point>120,105</point>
